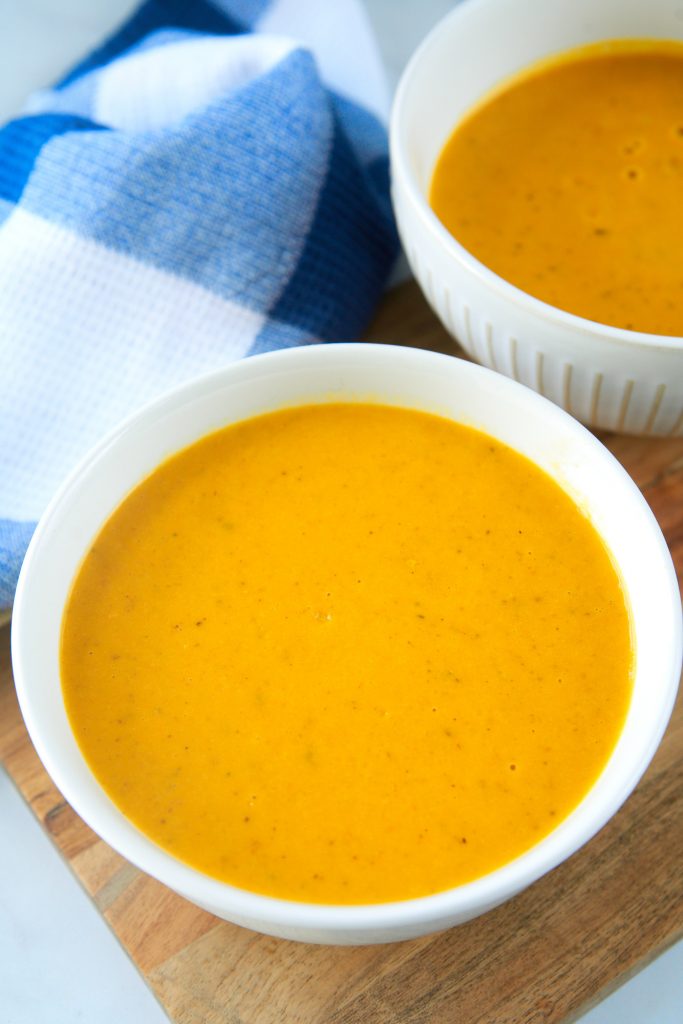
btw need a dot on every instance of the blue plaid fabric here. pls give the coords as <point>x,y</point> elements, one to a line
<point>209,183</point>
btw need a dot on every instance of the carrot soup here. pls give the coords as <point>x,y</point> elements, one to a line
<point>347,653</point>
<point>567,181</point>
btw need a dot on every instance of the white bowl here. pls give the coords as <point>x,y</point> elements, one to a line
<point>610,378</point>
<point>407,377</point>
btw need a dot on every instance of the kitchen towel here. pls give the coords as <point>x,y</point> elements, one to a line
<point>211,183</point>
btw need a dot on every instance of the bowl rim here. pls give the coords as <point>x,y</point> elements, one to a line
<point>401,169</point>
<point>426,913</point>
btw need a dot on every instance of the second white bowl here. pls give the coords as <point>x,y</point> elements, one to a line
<point>610,378</point>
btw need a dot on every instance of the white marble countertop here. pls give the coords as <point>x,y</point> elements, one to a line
<point>65,965</point>
<point>59,961</point>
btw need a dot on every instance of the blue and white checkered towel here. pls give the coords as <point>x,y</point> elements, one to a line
<point>212,182</point>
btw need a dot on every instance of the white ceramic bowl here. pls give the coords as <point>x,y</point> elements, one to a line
<point>440,384</point>
<point>607,377</point>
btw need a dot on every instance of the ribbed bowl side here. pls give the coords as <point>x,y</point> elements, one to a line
<point>629,388</point>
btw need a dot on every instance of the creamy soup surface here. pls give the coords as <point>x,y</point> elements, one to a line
<point>568,182</point>
<point>347,654</point>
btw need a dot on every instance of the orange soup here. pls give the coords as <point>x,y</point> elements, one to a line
<point>568,182</point>
<point>347,653</point>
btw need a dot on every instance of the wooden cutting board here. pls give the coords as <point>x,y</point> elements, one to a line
<point>545,956</point>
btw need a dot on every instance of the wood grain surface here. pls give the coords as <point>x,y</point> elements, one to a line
<point>545,956</point>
